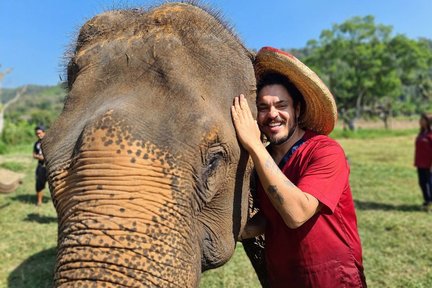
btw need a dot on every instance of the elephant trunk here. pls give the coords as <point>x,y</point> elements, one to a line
<point>121,222</point>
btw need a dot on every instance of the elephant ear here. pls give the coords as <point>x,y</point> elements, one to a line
<point>254,247</point>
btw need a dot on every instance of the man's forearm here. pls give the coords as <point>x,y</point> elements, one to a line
<point>38,157</point>
<point>294,206</point>
<point>254,227</point>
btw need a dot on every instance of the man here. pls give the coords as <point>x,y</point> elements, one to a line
<point>303,191</point>
<point>41,177</point>
<point>423,159</point>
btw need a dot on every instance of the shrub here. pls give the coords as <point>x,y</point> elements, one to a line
<point>17,133</point>
<point>3,148</point>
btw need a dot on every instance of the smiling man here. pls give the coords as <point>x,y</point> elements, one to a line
<point>306,207</point>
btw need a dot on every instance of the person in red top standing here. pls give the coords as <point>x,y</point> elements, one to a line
<point>423,159</point>
<point>306,208</point>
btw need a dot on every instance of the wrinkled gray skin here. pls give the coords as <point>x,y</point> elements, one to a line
<point>146,174</point>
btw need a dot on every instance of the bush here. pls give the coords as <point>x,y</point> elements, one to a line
<point>17,133</point>
<point>3,148</point>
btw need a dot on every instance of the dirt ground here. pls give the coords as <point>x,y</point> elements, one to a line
<point>9,180</point>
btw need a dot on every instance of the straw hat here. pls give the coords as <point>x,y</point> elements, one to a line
<point>320,113</point>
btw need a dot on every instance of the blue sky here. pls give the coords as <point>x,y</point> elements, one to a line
<point>34,35</point>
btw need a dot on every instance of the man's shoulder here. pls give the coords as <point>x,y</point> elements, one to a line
<point>318,146</point>
<point>321,140</point>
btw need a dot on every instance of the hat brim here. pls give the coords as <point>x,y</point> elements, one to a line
<point>320,113</point>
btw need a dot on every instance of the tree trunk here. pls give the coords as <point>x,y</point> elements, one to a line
<point>348,121</point>
<point>358,105</point>
<point>11,101</point>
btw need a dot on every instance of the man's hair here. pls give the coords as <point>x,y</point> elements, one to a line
<point>272,78</point>
<point>40,127</point>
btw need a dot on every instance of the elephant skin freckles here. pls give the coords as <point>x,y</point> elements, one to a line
<point>149,182</point>
<point>146,226</point>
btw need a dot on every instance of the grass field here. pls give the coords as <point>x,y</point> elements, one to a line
<point>396,235</point>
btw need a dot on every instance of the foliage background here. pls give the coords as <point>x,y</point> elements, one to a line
<point>39,105</point>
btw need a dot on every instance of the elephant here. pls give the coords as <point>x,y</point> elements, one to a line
<point>150,184</point>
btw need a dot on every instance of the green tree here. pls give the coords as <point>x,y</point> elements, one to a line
<point>352,59</point>
<point>413,62</point>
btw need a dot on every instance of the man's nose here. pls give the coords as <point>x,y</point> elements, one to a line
<point>273,113</point>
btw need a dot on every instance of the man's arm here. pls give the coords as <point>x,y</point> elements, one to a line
<point>38,156</point>
<point>293,205</point>
<point>254,227</point>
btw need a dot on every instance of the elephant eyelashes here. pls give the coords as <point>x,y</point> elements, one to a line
<point>212,164</point>
<point>209,178</point>
<point>216,156</point>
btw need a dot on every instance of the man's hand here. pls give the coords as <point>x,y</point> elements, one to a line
<point>246,127</point>
<point>38,156</point>
<point>254,227</point>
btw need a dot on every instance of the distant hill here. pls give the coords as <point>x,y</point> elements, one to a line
<point>39,104</point>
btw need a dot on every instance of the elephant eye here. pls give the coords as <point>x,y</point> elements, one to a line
<point>214,159</point>
<point>216,156</point>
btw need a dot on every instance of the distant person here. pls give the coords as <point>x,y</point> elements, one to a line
<point>41,177</point>
<point>423,159</point>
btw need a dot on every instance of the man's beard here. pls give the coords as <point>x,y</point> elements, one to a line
<point>286,138</point>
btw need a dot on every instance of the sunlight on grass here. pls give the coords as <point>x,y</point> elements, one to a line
<point>238,272</point>
<point>28,232</point>
<point>396,234</point>
<point>394,231</point>
<point>13,166</point>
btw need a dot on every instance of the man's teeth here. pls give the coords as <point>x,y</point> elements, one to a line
<point>274,124</point>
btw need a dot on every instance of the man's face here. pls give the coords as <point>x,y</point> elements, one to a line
<point>423,123</point>
<point>40,134</point>
<point>276,113</point>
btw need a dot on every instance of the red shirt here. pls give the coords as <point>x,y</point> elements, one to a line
<point>423,151</point>
<point>325,251</point>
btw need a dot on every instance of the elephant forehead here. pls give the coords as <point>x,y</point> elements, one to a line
<point>109,150</point>
<point>109,154</point>
<point>112,135</point>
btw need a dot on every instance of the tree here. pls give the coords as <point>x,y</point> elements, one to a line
<point>10,101</point>
<point>413,62</point>
<point>7,104</point>
<point>352,59</point>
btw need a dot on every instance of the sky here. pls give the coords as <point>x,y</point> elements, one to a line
<point>34,35</point>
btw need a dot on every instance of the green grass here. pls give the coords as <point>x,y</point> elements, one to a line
<point>396,235</point>
<point>13,166</point>
<point>339,133</point>
<point>28,233</point>
<point>395,232</point>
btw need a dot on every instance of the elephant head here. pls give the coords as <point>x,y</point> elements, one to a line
<point>145,172</point>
